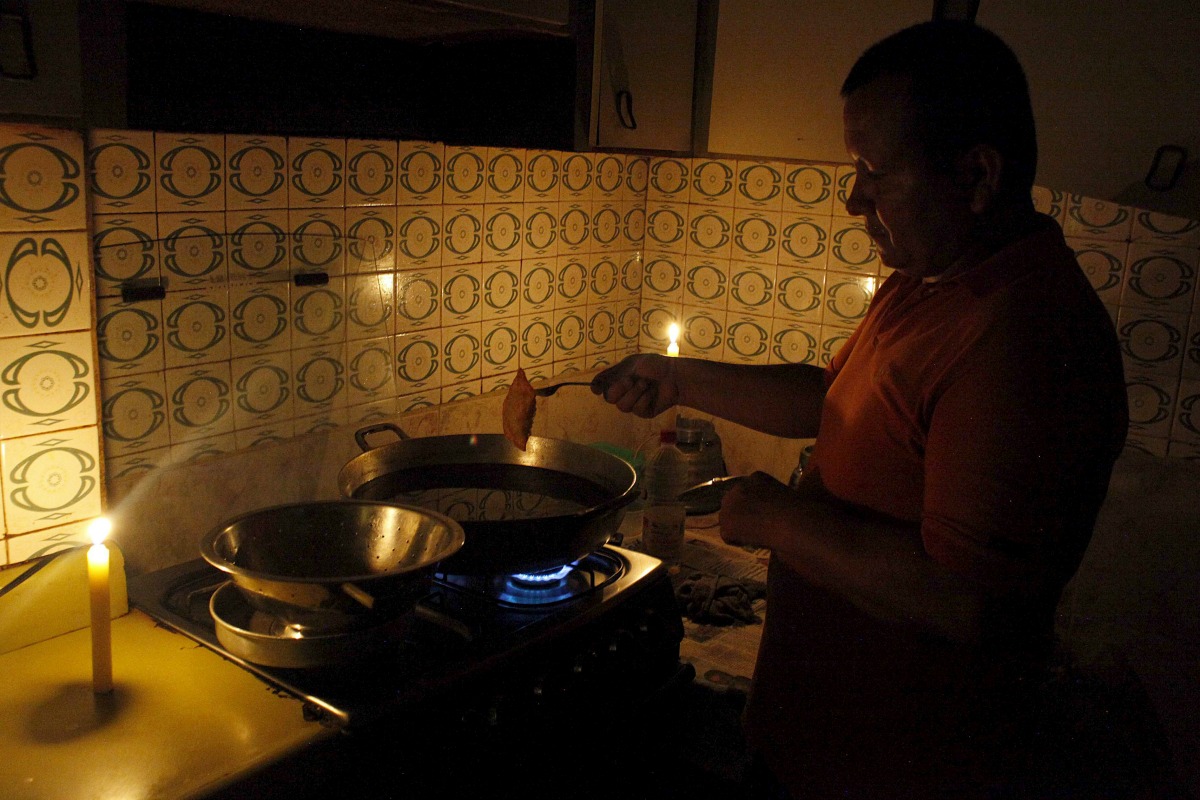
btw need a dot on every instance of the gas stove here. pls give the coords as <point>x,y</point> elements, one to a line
<point>486,653</point>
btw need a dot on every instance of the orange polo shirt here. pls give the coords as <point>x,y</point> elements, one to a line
<point>988,408</point>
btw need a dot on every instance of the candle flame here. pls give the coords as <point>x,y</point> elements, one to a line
<point>99,529</point>
<point>673,333</point>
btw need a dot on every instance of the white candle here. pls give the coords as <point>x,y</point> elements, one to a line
<point>673,344</point>
<point>98,593</point>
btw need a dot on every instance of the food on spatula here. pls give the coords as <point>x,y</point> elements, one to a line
<point>519,406</point>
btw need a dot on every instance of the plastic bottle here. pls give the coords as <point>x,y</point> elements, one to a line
<point>664,519</point>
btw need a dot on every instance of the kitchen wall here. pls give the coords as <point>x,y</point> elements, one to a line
<point>257,297</point>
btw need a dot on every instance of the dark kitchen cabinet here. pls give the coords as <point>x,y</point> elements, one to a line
<point>778,67</point>
<point>1113,85</point>
<point>40,75</point>
<point>644,74</point>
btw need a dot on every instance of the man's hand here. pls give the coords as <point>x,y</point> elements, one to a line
<point>749,505</point>
<point>644,385</point>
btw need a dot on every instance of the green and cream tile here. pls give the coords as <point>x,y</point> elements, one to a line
<point>196,327</point>
<point>192,247</point>
<point>190,172</point>
<point>134,415</point>
<point>48,383</point>
<point>320,376</point>
<point>51,479</point>
<point>47,283</point>
<point>370,172</point>
<point>501,290</point>
<point>543,176</point>
<point>419,299</point>
<point>318,243</point>
<point>370,305</point>
<point>462,301</point>
<point>318,314</point>
<point>129,338</point>
<point>316,173</point>
<point>259,245</point>
<point>121,171</point>
<point>465,175</point>
<point>503,231</point>
<point>44,180</point>
<point>256,172</point>
<point>418,237</point>
<point>200,403</point>
<point>419,168</point>
<point>262,390</point>
<point>418,364</point>
<point>124,249</point>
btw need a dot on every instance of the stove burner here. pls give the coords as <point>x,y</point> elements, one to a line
<point>540,580</point>
<point>544,588</point>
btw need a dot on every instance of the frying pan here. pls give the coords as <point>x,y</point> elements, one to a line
<point>521,510</point>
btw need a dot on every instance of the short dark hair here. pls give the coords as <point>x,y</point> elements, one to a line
<point>968,88</point>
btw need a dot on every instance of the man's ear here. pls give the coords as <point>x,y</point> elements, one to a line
<point>980,170</point>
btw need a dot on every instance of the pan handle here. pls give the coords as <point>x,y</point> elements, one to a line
<point>361,434</point>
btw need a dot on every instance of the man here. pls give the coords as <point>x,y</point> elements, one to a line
<point>965,437</point>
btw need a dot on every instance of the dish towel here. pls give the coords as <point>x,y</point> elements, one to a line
<point>717,599</point>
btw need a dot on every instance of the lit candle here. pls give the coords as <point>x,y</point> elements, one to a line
<point>98,593</point>
<point>673,336</point>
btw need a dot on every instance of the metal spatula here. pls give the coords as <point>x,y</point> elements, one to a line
<point>546,391</point>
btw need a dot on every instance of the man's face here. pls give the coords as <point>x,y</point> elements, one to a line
<point>919,218</point>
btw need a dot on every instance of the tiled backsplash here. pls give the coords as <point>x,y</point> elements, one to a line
<point>251,289</point>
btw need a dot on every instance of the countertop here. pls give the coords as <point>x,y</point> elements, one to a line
<point>181,721</point>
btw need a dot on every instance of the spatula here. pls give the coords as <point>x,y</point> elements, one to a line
<point>546,391</point>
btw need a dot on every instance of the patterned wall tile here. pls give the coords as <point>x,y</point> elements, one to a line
<point>578,178</point>
<point>419,173</point>
<point>604,278</point>
<point>505,175</point>
<point>847,297</point>
<point>752,288</point>
<point>1152,341</point>
<point>418,364</point>
<point>370,238</point>
<point>607,222</point>
<point>1097,219</point>
<point>669,180</point>
<point>370,305</point>
<point>318,314</point>
<point>258,318</point>
<point>756,236</point>
<point>663,278</point>
<point>601,328</point>
<point>1186,426</point>
<point>51,479</point>
<point>706,284</point>
<point>499,346</point>
<point>804,240</point>
<point>368,375</point>
<point>703,334</point>
<point>192,249</point>
<point>316,173</point>
<point>571,275</point>
<point>200,403</point>
<point>536,342</point>
<point>134,415</point>
<point>1161,277</point>
<point>759,185</point>
<point>541,230</point>
<point>794,342</point>
<point>656,319</point>
<point>370,172</point>
<point>1151,403</point>
<point>44,180</point>
<point>575,226</point>
<point>419,235</point>
<point>799,294</point>
<point>500,290</point>
<point>124,248</point>
<point>503,231</point>
<point>262,390</point>
<point>47,283</point>
<point>709,232</point>
<point>259,245</point>
<point>748,339</point>
<point>539,277</point>
<point>1191,352</point>
<point>121,171</point>
<point>465,175</point>
<point>318,377</point>
<point>609,177</point>
<point>1104,264</point>
<point>419,299</point>
<point>462,238</point>
<point>47,383</point>
<point>256,172</point>
<point>570,333</point>
<point>462,295</point>
<point>851,248</point>
<point>808,189</point>
<point>196,327</point>
<point>318,244</point>
<point>190,172</point>
<point>543,176</point>
<point>713,182</point>
<point>1150,226</point>
<point>130,337</point>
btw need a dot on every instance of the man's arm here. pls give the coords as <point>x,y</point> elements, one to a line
<point>781,400</point>
<point>878,564</point>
